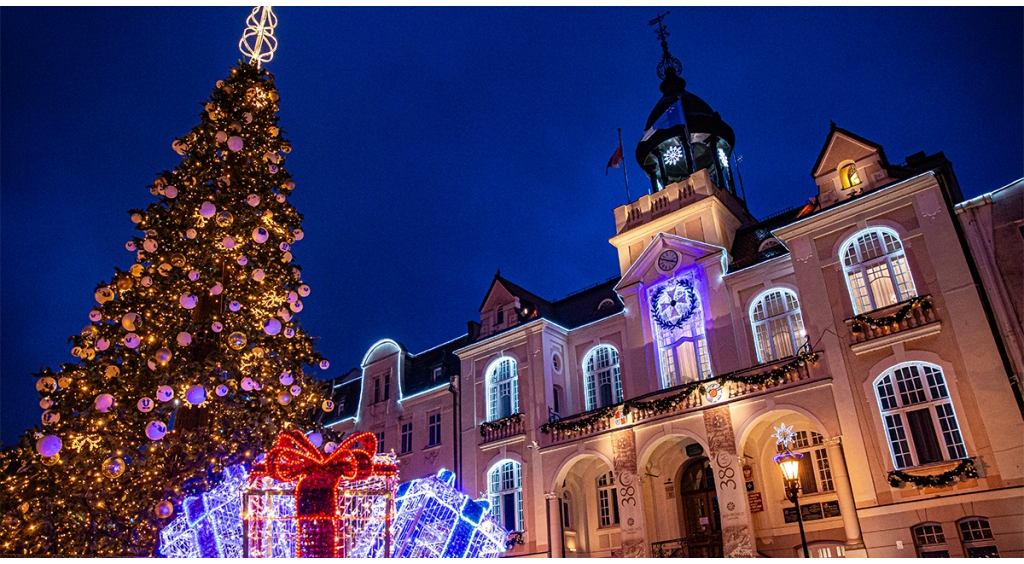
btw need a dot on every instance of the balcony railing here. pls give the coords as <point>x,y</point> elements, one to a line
<point>685,397</point>
<point>697,546</point>
<point>501,428</point>
<point>912,313</point>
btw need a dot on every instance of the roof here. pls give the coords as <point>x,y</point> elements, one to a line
<point>577,309</point>
<point>833,130</point>
<point>418,375</point>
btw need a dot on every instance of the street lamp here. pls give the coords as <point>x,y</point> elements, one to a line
<point>789,463</point>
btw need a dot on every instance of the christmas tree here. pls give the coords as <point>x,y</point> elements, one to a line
<point>192,360</point>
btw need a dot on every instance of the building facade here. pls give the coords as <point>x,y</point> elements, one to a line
<point>880,325</point>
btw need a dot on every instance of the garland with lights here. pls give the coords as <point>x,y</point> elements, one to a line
<point>489,426</point>
<point>668,403</point>
<point>965,469</point>
<point>925,302</point>
<point>685,314</point>
<point>193,359</point>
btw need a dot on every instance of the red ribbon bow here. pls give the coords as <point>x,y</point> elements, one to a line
<point>295,459</point>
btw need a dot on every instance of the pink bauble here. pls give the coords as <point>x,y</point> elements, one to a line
<point>221,137</point>
<point>104,402</point>
<point>228,242</point>
<point>188,301</point>
<point>286,379</point>
<point>207,209</point>
<point>216,289</point>
<point>131,340</point>
<point>193,275</point>
<point>222,390</point>
<point>297,306</point>
<point>184,339</point>
<point>171,192</point>
<point>156,430</point>
<point>260,235</point>
<point>130,246</point>
<point>248,385</point>
<point>295,390</point>
<point>102,344</point>
<point>272,326</point>
<point>330,447</point>
<point>145,405</point>
<point>235,143</point>
<point>242,260</point>
<point>298,234</point>
<point>258,275</point>
<point>324,364</point>
<point>253,200</point>
<point>195,395</point>
<point>303,290</point>
<point>217,327</point>
<point>316,438</point>
<point>150,245</point>
<point>95,315</point>
<point>164,393</point>
<point>49,445</point>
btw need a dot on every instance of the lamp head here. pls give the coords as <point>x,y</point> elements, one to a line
<point>789,463</point>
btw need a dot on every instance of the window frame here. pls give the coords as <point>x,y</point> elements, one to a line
<point>857,273</point>
<point>812,445</point>
<point>938,544</point>
<point>607,500</point>
<point>406,434</point>
<point>506,477</point>
<point>433,429</point>
<point>493,387</point>
<point>984,530</point>
<point>766,346</point>
<point>593,372</point>
<point>928,391</point>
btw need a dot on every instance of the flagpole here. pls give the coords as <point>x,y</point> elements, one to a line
<point>624,177</point>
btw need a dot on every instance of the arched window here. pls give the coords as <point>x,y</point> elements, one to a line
<point>505,486</point>
<point>849,175</point>
<point>919,421</point>
<point>602,378</point>
<point>778,326</point>
<point>930,541</point>
<point>876,268</point>
<point>815,470</point>
<point>977,538</point>
<point>502,389</point>
<point>677,318</point>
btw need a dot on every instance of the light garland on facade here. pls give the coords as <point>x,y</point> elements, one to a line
<point>668,403</point>
<point>965,469</point>
<point>925,302</point>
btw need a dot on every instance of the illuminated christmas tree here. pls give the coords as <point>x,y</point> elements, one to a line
<point>192,360</point>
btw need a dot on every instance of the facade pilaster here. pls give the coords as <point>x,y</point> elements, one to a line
<point>847,505</point>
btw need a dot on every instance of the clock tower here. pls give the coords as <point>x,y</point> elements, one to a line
<point>687,153</point>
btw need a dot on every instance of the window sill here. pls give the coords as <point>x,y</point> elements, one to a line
<point>607,528</point>
<point>432,447</point>
<point>931,468</point>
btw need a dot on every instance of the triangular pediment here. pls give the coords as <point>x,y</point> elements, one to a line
<point>497,295</point>
<point>690,252</point>
<point>841,146</point>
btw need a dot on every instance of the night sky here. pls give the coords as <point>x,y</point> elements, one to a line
<point>434,146</point>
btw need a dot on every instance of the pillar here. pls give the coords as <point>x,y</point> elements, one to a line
<point>847,506</point>
<point>554,524</point>
<point>631,511</point>
<point>737,528</point>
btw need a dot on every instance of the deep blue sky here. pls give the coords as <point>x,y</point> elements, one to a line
<point>433,146</point>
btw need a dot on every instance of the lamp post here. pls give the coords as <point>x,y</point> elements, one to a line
<point>789,463</point>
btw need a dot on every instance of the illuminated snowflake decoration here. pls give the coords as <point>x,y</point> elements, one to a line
<point>784,436</point>
<point>673,155</point>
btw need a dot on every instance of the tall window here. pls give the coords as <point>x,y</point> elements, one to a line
<point>566,510</point>
<point>502,389</point>
<point>406,438</point>
<point>778,326</point>
<point>677,318</point>
<point>815,471</point>
<point>930,541</point>
<point>918,416</point>
<point>380,441</point>
<point>849,175</point>
<point>602,377</point>
<point>607,501</point>
<point>505,486</point>
<point>434,429</point>
<point>381,387</point>
<point>877,273</point>
<point>976,535</point>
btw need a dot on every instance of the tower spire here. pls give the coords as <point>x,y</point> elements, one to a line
<point>258,41</point>
<point>667,60</point>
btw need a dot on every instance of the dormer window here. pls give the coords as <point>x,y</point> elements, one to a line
<point>501,316</point>
<point>849,175</point>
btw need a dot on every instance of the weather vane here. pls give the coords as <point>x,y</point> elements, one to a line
<point>667,60</point>
<point>258,41</point>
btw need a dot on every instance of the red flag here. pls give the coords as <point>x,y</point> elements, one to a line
<point>615,161</point>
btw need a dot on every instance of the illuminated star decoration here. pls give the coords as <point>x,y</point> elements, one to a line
<point>784,436</point>
<point>673,155</point>
<point>258,41</point>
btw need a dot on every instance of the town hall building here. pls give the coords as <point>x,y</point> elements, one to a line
<point>877,331</point>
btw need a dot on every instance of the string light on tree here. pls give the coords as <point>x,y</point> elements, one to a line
<point>154,407</point>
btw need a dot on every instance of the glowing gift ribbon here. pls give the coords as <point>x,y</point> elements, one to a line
<point>318,475</point>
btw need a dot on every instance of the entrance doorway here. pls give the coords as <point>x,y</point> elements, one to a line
<point>702,521</point>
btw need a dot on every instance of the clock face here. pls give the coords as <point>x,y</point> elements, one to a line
<point>668,260</point>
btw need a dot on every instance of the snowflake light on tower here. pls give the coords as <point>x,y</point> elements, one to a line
<point>673,155</point>
<point>784,436</point>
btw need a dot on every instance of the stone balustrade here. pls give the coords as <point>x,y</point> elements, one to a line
<point>903,316</point>
<point>502,428</point>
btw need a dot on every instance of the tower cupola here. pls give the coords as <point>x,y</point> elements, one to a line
<point>683,134</point>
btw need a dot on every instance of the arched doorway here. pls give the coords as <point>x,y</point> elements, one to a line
<point>701,519</point>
